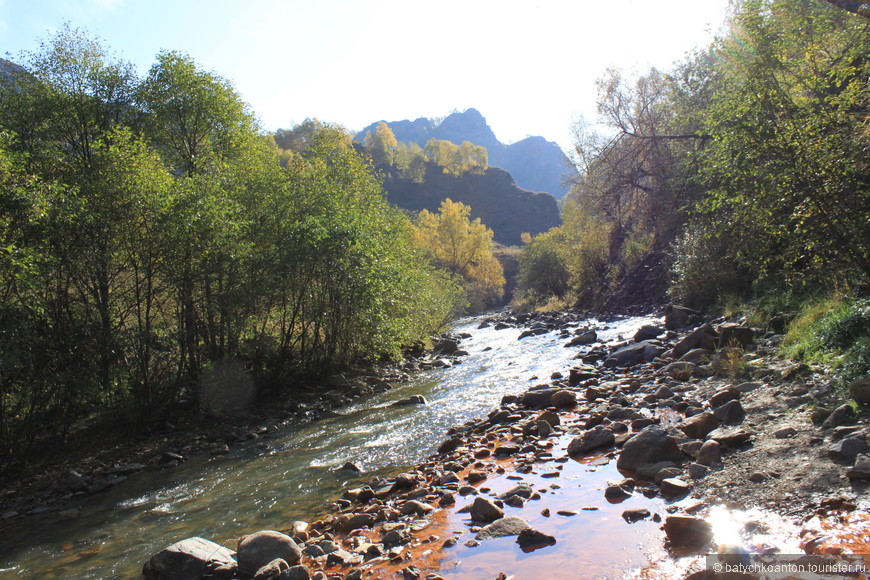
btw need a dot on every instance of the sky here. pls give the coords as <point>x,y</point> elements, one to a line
<point>528,66</point>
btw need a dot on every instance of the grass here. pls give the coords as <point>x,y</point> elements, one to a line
<point>833,331</point>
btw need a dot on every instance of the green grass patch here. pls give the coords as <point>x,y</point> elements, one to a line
<point>834,331</point>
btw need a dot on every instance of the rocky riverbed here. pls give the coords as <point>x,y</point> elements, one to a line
<point>690,438</point>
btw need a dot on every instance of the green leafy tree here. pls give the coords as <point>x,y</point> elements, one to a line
<point>787,166</point>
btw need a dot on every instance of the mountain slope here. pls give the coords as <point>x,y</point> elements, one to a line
<point>535,163</point>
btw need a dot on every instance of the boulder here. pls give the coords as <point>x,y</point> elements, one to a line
<point>446,346</point>
<point>550,417</point>
<point>647,332</point>
<point>450,445</point>
<point>587,337</point>
<point>544,428</point>
<point>723,396</point>
<point>635,515</point>
<point>273,570</point>
<point>581,373</point>
<point>677,317</point>
<point>673,488</point>
<point>394,538</point>
<point>298,572</point>
<point>523,490</point>
<point>703,337</point>
<point>258,549</point>
<point>735,335</point>
<point>688,531</point>
<point>412,400</point>
<point>652,445</point>
<point>698,356</point>
<point>730,436</point>
<point>848,448</point>
<point>859,390</point>
<point>563,399</point>
<point>187,560</point>
<point>634,354</point>
<point>590,440</point>
<point>861,469</point>
<point>507,526</point>
<point>842,415</point>
<point>700,425</point>
<point>411,507</point>
<point>538,398</point>
<point>485,511</point>
<point>709,454</point>
<point>731,413</point>
<point>617,493</point>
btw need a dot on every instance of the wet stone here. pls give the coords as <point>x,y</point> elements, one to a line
<point>507,526</point>
<point>673,488</point>
<point>531,539</point>
<point>617,493</point>
<point>688,531</point>
<point>635,515</point>
<point>485,511</point>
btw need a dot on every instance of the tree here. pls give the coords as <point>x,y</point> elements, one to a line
<point>195,117</point>
<point>381,145</point>
<point>463,247</point>
<point>787,167</point>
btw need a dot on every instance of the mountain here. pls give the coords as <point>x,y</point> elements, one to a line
<point>9,70</point>
<point>494,197</point>
<point>535,163</point>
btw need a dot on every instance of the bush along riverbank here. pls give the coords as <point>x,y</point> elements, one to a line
<point>693,434</point>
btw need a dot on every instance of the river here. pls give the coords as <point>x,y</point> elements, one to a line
<point>268,483</point>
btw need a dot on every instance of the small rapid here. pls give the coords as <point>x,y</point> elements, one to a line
<point>268,483</point>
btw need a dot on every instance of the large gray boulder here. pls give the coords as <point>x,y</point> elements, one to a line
<point>187,560</point>
<point>633,354</point>
<point>258,549</point>
<point>652,445</point>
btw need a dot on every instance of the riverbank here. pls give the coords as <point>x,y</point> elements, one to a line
<point>58,475</point>
<point>679,428</point>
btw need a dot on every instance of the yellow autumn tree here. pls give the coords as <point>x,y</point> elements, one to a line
<point>463,247</point>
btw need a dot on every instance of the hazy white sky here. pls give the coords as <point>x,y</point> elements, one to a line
<point>528,66</point>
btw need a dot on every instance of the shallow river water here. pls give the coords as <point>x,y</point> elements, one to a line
<point>268,483</point>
